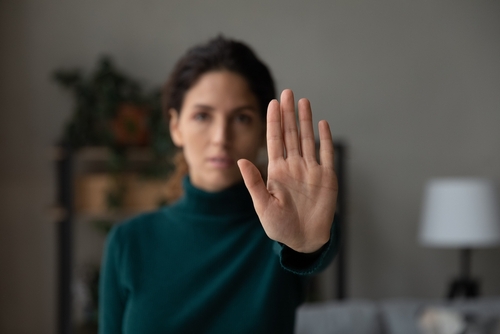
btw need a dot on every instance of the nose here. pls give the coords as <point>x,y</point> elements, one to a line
<point>221,133</point>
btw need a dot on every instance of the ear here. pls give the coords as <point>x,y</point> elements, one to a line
<point>175,132</point>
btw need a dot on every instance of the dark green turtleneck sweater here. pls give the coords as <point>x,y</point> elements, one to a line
<point>202,265</point>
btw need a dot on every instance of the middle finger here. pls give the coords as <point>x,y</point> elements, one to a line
<point>290,132</point>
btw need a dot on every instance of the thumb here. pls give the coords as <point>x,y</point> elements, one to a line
<point>255,184</point>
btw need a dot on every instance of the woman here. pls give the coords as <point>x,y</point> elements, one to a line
<point>232,254</point>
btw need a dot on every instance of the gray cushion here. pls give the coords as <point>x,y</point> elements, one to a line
<point>401,316</point>
<point>352,317</point>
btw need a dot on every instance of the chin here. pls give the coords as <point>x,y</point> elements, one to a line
<point>225,182</point>
<point>217,181</point>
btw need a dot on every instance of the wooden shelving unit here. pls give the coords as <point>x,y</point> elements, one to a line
<point>69,217</point>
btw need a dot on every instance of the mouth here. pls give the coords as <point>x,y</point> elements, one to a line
<point>221,161</point>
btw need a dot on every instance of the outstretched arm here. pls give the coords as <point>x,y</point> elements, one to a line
<point>297,205</point>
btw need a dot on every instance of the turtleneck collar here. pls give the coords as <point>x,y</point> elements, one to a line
<point>230,201</point>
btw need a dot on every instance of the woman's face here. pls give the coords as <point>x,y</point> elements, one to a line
<point>218,124</point>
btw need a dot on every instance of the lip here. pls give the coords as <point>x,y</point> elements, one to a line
<point>221,161</point>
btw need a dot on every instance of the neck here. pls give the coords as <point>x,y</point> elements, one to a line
<point>232,200</point>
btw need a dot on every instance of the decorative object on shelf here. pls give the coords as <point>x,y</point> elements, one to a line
<point>461,213</point>
<point>112,109</point>
<point>142,194</point>
<point>130,125</point>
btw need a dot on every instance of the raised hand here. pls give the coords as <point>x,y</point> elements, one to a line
<point>297,205</point>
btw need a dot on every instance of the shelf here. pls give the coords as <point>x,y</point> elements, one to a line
<point>98,153</point>
<point>102,153</point>
<point>91,191</point>
<point>112,216</point>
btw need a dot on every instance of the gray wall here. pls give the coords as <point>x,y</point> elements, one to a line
<point>412,86</point>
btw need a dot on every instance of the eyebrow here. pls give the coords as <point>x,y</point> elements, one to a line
<point>210,108</point>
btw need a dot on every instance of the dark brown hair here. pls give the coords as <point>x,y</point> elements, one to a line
<point>217,54</point>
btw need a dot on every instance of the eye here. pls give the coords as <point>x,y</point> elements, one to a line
<point>243,118</point>
<point>201,116</point>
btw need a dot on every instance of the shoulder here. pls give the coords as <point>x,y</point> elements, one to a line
<point>137,227</point>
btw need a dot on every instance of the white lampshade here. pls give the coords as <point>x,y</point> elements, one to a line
<point>461,213</point>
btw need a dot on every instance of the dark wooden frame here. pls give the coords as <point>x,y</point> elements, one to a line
<point>340,169</point>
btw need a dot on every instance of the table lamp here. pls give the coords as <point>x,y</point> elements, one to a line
<point>461,213</point>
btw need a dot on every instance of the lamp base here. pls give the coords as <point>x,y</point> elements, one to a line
<point>463,287</point>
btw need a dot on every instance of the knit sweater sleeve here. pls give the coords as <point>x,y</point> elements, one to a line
<point>112,294</point>
<point>306,264</point>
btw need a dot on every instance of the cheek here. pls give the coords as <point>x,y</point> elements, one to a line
<point>193,157</point>
<point>252,143</point>
<point>192,144</point>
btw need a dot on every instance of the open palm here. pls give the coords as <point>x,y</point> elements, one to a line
<point>297,205</point>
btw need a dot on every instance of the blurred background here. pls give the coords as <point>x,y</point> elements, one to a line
<point>412,88</point>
